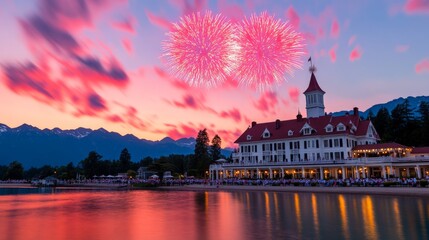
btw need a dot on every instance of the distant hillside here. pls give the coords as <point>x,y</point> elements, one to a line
<point>35,147</point>
<point>413,101</point>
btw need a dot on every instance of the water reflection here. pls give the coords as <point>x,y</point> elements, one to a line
<point>211,215</point>
<point>343,216</point>
<point>315,214</point>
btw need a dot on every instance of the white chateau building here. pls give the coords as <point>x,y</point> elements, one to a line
<point>318,146</point>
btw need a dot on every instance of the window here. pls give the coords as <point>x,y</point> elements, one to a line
<point>341,127</point>
<point>326,156</point>
<point>290,133</point>
<point>326,143</point>
<point>266,133</point>
<point>307,131</point>
<point>336,143</point>
<point>249,137</point>
<point>329,129</point>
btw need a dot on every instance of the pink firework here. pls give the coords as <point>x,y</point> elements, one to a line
<point>269,50</point>
<point>200,49</point>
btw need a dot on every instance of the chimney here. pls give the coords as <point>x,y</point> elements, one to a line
<point>277,124</point>
<point>253,123</point>
<point>299,117</point>
<point>356,111</point>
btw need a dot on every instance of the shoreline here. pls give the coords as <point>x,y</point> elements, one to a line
<point>391,191</point>
<point>92,186</point>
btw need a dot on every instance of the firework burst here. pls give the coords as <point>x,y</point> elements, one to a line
<point>269,51</point>
<point>200,49</point>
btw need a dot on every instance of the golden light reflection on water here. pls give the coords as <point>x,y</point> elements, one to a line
<point>315,214</point>
<point>369,222</point>
<point>267,204</point>
<point>211,215</point>
<point>343,215</point>
<point>421,212</point>
<point>276,204</point>
<point>298,212</point>
<point>397,219</point>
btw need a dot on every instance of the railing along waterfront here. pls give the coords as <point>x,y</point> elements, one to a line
<point>357,161</point>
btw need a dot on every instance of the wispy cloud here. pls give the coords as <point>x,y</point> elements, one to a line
<point>416,6</point>
<point>402,48</point>
<point>293,17</point>
<point>335,29</point>
<point>355,54</point>
<point>422,66</point>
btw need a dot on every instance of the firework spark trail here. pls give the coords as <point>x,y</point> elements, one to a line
<point>200,49</point>
<point>269,49</point>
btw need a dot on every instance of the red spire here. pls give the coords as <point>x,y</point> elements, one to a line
<point>313,86</point>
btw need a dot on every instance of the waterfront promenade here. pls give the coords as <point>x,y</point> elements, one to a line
<point>202,185</point>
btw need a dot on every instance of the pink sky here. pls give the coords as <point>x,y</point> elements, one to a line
<point>97,64</point>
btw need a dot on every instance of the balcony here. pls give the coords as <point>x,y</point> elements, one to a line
<point>345,162</point>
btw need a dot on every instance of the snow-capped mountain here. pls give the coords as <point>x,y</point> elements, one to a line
<point>35,147</point>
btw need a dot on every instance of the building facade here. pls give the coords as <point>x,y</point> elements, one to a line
<point>319,145</point>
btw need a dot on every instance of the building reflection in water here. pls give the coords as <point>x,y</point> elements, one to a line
<point>212,215</point>
<point>368,218</point>
<point>315,214</point>
<point>397,219</point>
<point>343,216</point>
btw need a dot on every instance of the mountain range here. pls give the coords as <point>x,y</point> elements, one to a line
<point>414,103</point>
<point>56,147</point>
<point>36,147</point>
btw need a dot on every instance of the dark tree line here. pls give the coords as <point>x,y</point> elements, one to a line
<point>402,126</point>
<point>92,165</point>
<point>196,164</point>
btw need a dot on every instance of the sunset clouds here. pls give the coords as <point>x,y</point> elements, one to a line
<point>98,63</point>
<point>355,54</point>
<point>422,66</point>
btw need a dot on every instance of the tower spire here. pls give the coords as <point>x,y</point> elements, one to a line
<point>314,95</point>
<point>312,68</point>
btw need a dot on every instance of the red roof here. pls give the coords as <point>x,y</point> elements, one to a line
<point>379,146</point>
<point>420,150</point>
<point>313,85</point>
<point>317,124</point>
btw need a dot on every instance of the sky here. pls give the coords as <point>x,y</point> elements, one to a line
<point>98,64</point>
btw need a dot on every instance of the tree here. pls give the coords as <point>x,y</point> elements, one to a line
<point>215,148</point>
<point>160,166</point>
<point>383,123</point>
<point>201,155</point>
<point>424,123</point>
<point>90,164</point>
<point>14,171</point>
<point>404,126</point>
<point>3,170</point>
<point>146,161</point>
<point>124,161</point>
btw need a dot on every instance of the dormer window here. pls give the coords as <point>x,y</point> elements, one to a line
<point>290,133</point>
<point>341,127</point>
<point>266,133</point>
<point>306,131</point>
<point>329,128</point>
<point>249,137</point>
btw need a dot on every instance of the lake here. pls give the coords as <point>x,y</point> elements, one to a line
<point>151,214</point>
